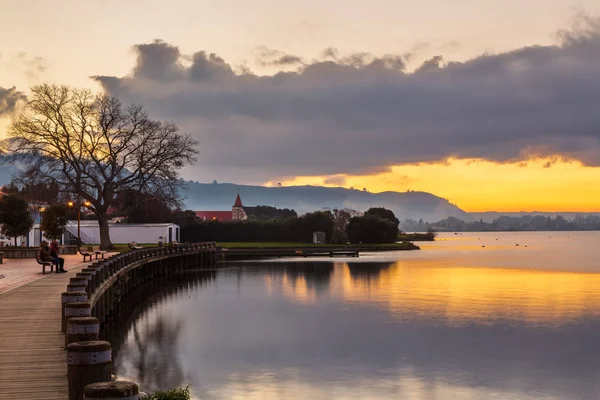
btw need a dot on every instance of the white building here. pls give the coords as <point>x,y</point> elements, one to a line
<point>119,233</point>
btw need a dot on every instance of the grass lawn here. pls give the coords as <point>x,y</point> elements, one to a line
<point>124,247</point>
<point>243,245</point>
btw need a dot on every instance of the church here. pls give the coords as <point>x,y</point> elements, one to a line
<point>237,213</point>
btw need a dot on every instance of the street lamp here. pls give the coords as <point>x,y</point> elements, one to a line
<point>78,204</point>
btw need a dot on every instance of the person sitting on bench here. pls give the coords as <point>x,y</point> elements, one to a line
<point>54,254</point>
<point>44,256</point>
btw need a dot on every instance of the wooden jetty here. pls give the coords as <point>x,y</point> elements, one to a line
<point>329,253</point>
<point>33,360</point>
<point>32,357</point>
<point>279,252</point>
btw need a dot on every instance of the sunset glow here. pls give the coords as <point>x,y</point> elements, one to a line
<point>549,184</point>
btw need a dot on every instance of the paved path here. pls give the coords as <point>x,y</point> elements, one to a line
<point>18,272</point>
<point>32,359</point>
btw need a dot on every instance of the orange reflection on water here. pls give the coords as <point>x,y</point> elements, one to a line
<point>456,295</point>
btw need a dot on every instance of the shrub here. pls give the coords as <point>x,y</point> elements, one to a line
<point>175,394</point>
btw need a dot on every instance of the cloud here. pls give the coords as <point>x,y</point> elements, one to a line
<point>272,57</point>
<point>339,180</point>
<point>9,100</point>
<point>33,66</point>
<point>346,114</point>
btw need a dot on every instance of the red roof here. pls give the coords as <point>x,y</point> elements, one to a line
<point>238,201</point>
<point>215,215</point>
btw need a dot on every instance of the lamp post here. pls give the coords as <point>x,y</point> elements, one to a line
<point>78,204</point>
<point>41,209</point>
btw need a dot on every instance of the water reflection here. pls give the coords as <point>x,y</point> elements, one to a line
<point>411,329</point>
<point>151,344</point>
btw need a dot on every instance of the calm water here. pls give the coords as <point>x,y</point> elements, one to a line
<point>453,321</point>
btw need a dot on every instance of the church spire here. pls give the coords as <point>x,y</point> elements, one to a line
<point>238,201</point>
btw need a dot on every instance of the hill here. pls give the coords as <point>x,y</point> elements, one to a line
<point>408,205</point>
<point>489,216</point>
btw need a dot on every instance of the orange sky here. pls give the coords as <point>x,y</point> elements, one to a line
<point>479,185</point>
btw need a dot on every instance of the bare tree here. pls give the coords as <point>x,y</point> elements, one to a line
<point>95,148</point>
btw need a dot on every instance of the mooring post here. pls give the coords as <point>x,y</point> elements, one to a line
<point>70,297</point>
<point>112,390</point>
<point>76,309</point>
<point>79,287</point>
<point>81,329</point>
<point>87,276</point>
<point>87,362</point>
<point>94,273</point>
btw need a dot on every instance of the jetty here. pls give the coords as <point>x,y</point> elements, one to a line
<point>36,320</point>
<point>225,254</point>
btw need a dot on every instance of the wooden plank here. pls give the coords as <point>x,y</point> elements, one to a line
<point>32,359</point>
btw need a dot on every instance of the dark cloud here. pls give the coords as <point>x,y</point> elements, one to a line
<point>356,113</point>
<point>272,57</point>
<point>9,99</point>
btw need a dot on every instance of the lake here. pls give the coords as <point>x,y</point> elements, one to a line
<point>516,319</point>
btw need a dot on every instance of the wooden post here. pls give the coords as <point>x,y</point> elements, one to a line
<point>77,288</point>
<point>77,309</point>
<point>87,362</point>
<point>81,329</point>
<point>70,297</point>
<point>95,274</point>
<point>88,279</point>
<point>112,390</point>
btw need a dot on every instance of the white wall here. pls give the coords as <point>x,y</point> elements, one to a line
<point>119,233</point>
<point>124,233</point>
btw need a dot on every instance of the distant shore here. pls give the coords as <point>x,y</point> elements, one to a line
<point>406,245</point>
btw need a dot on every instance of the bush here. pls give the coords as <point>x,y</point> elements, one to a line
<point>175,394</point>
<point>54,220</point>
<point>372,229</point>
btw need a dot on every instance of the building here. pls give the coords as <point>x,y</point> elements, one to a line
<point>237,213</point>
<point>119,233</point>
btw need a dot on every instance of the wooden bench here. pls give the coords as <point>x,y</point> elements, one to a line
<point>85,253</point>
<point>98,252</point>
<point>134,246</point>
<point>44,264</point>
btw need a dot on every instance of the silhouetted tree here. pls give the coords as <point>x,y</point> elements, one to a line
<point>54,220</point>
<point>383,213</point>
<point>139,207</point>
<point>15,219</point>
<point>94,148</point>
<point>372,229</point>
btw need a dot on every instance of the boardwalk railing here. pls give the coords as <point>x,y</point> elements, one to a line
<point>93,297</point>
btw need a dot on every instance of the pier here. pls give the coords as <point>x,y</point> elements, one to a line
<point>33,359</point>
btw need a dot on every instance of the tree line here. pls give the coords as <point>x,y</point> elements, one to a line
<point>377,225</point>
<point>508,223</point>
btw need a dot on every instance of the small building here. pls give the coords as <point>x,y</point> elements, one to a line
<point>119,233</point>
<point>237,213</point>
<point>319,237</point>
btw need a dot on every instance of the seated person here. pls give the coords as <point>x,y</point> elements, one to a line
<point>44,256</point>
<point>54,254</point>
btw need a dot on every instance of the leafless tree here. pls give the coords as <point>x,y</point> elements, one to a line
<point>95,148</point>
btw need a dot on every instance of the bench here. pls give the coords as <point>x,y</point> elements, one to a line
<point>85,253</point>
<point>44,264</point>
<point>98,252</point>
<point>134,246</point>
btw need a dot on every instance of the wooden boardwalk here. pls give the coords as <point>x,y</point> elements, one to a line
<point>32,359</point>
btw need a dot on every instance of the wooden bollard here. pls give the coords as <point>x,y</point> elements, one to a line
<point>88,280</point>
<point>94,272</point>
<point>70,297</point>
<point>87,362</point>
<point>78,309</point>
<point>77,287</point>
<point>112,390</point>
<point>81,329</point>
